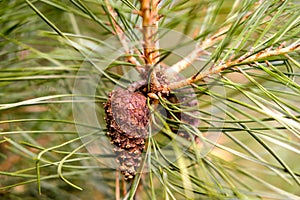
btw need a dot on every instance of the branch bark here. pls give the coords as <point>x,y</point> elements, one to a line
<point>240,61</point>
<point>149,13</point>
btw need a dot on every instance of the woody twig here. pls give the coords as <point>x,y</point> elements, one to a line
<point>240,61</point>
<point>149,13</point>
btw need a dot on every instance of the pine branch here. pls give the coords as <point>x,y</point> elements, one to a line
<point>257,116</point>
<point>149,13</point>
<point>245,59</point>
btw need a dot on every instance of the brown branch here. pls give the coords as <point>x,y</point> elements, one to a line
<point>199,50</point>
<point>240,61</point>
<point>149,13</point>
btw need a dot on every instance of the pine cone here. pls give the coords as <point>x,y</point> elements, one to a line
<point>127,119</point>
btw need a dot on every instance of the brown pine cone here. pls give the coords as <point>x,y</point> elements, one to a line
<point>127,119</point>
